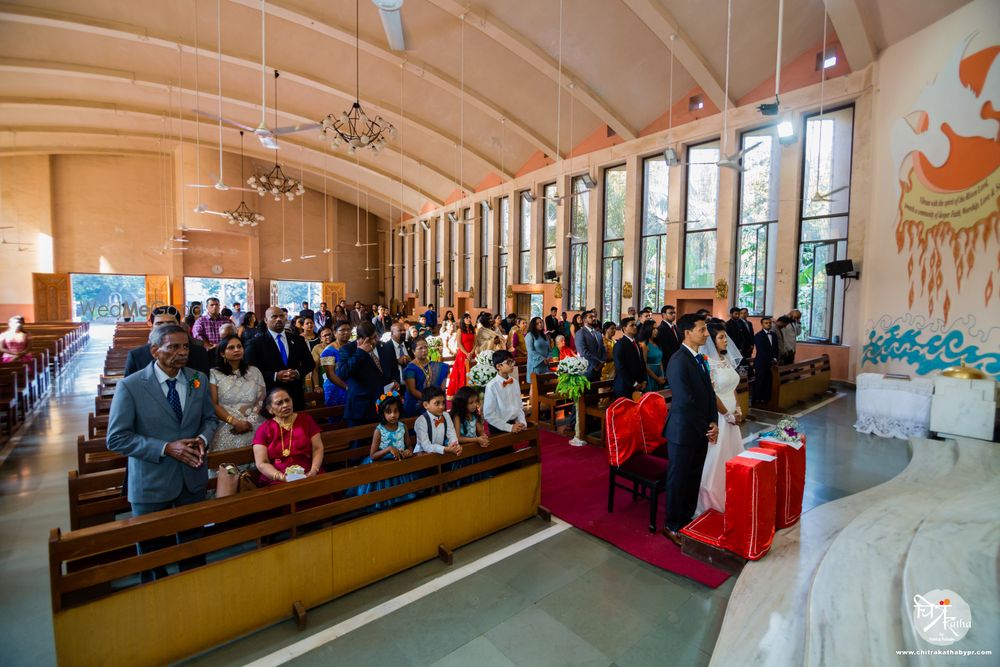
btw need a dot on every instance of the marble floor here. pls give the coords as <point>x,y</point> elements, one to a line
<point>568,599</point>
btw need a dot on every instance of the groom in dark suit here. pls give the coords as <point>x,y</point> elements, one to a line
<point>283,358</point>
<point>691,424</point>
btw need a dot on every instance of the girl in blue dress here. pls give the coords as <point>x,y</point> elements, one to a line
<point>419,374</point>
<point>389,443</point>
<point>334,389</point>
<point>471,430</point>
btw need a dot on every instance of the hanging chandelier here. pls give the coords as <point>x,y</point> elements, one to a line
<point>243,215</point>
<point>353,128</point>
<point>275,182</point>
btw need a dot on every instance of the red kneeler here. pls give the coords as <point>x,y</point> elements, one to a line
<point>747,527</point>
<point>791,479</point>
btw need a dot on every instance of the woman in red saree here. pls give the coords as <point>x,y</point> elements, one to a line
<point>463,356</point>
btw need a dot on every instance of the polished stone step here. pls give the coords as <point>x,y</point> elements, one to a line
<point>766,620</point>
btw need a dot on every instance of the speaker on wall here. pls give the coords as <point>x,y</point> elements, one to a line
<point>550,275</point>
<point>842,268</point>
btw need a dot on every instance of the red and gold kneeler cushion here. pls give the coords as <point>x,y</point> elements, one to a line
<point>791,470</point>
<point>707,528</point>
<point>623,430</point>
<point>751,479</point>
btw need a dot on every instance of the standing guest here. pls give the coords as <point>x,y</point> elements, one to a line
<point>630,370</point>
<point>309,334</point>
<point>286,439</point>
<point>747,351</point>
<point>537,344</point>
<point>357,314</point>
<point>225,331</point>
<point>334,389</point>
<point>422,329</point>
<point>575,325</point>
<point>434,430</point>
<point>390,442</point>
<point>691,424</point>
<point>396,352</point>
<point>194,312</point>
<point>449,316</point>
<point>563,349</point>
<point>562,328</point>
<point>15,341</point>
<point>502,406</point>
<point>590,346</point>
<point>381,321</point>
<point>420,374</point>
<point>508,323</point>
<point>766,346</point>
<point>515,338</point>
<point>306,311</point>
<point>449,338</point>
<point>645,315</point>
<point>206,327</point>
<point>248,328</point>
<point>653,356</point>
<point>736,330</point>
<point>323,341</point>
<point>340,315</point>
<point>237,392</point>
<point>282,357</point>
<point>430,316</point>
<point>296,327</point>
<point>608,370</point>
<point>361,369</point>
<point>497,325</point>
<point>237,314</point>
<point>789,336</point>
<point>631,313</point>
<point>796,317</point>
<point>667,336</point>
<point>323,317</point>
<point>141,357</point>
<point>463,355</point>
<point>228,314</point>
<point>487,338</point>
<point>552,322</point>
<point>162,419</point>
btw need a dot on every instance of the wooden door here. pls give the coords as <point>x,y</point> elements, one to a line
<point>157,291</point>
<point>333,293</point>
<point>53,300</point>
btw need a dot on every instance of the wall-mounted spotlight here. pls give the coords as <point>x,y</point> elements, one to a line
<point>528,196</point>
<point>671,158</point>
<point>786,131</point>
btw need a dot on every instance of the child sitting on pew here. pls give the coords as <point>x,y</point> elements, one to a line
<point>470,428</point>
<point>502,406</point>
<point>389,443</point>
<point>434,429</point>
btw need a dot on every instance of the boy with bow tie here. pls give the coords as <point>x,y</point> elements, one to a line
<point>434,430</point>
<point>502,407</point>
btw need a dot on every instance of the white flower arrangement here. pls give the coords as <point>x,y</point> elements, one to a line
<point>354,333</point>
<point>434,347</point>
<point>572,366</point>
<point>481,374</point>
<point>787,430</point>
<point>485,358</point>
<point>386,337</point>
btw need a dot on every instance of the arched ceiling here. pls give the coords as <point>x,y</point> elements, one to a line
<point>123,76</point>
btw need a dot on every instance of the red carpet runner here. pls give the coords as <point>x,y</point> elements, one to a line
<point>575,489</point>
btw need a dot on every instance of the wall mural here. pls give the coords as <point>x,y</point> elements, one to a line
<point>948,154</point>
<point>930,345</point>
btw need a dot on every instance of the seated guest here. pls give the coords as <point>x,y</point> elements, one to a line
<point>420,374</point>
<point>248,329</point>
<point>162,419</point>
<point>237,392</point>
<point>226,330</point>
<point>502,406</point>
<point>15,341</point>
<point>361,369</point>
<point>434,430</point>
<point>630,369</point>
<point>608,370</point>
<point>140,357</point>
<point>282,358</point>
<point>389,443</point>
<point>537,344</point>
<point>334,389</point>
<point>206,328</point>
<point>286,439</point>
<point>431,318</point>
<point>564,349</point>
<point>470,428</point>
<point>767,350</point>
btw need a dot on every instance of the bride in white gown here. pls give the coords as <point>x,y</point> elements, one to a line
<point>723,360</point>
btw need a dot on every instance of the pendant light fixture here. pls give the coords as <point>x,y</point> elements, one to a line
<point>243,215</point>
<point>275,182</point>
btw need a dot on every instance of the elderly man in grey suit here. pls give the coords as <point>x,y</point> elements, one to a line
<point>162,419</point>
<point>590,346</point>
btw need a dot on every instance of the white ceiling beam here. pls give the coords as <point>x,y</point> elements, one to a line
<point>541,61</point>
<point>414,67</point>
<point>136,34</point>
<point>854,38</point>
<point>663,25</point>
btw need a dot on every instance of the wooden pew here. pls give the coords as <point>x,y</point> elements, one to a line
<point>318,524</point>
<point>10,399</point>
<point>798,382</point>
<point>543,397</point>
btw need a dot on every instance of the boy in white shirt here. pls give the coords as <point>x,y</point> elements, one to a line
<point>435,431</point>
<point>502,407</point>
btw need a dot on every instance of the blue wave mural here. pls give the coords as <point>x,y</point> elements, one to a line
<point>930,346</point>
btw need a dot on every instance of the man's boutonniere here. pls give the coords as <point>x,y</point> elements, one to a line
<point>195,382</point>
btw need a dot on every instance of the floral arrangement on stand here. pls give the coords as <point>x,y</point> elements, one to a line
<point>787,430</point>
<point>485,358</point>
<point>572,383</point>
<point>434,344</point>
<point>480,375</point>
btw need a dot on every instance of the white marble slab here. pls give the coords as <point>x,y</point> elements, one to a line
<point>964,407</point>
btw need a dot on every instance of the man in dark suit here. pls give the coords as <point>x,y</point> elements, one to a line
<point>140,357</point>
<point>283,358</point>
<point>737,331</point>
<point>552,323</point>
<point>357,315</point>
<point>395,354</point>
<point>691,424</point>
<point>382,321</point>
<point>307,312</point>
<point>323,317</point>
<point>747,352</point>
<point>766,345</point>
<point>590,346</point>
<point>630,370</point>
<point>163,420</point>
<point>667,337</point>
<point>362,369</point>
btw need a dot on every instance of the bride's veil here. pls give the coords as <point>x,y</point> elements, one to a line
<point>732,351</point>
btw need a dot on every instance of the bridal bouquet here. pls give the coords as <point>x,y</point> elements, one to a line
<point>434,348</point>
<point>787,430</point>
<point>572,382</point>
